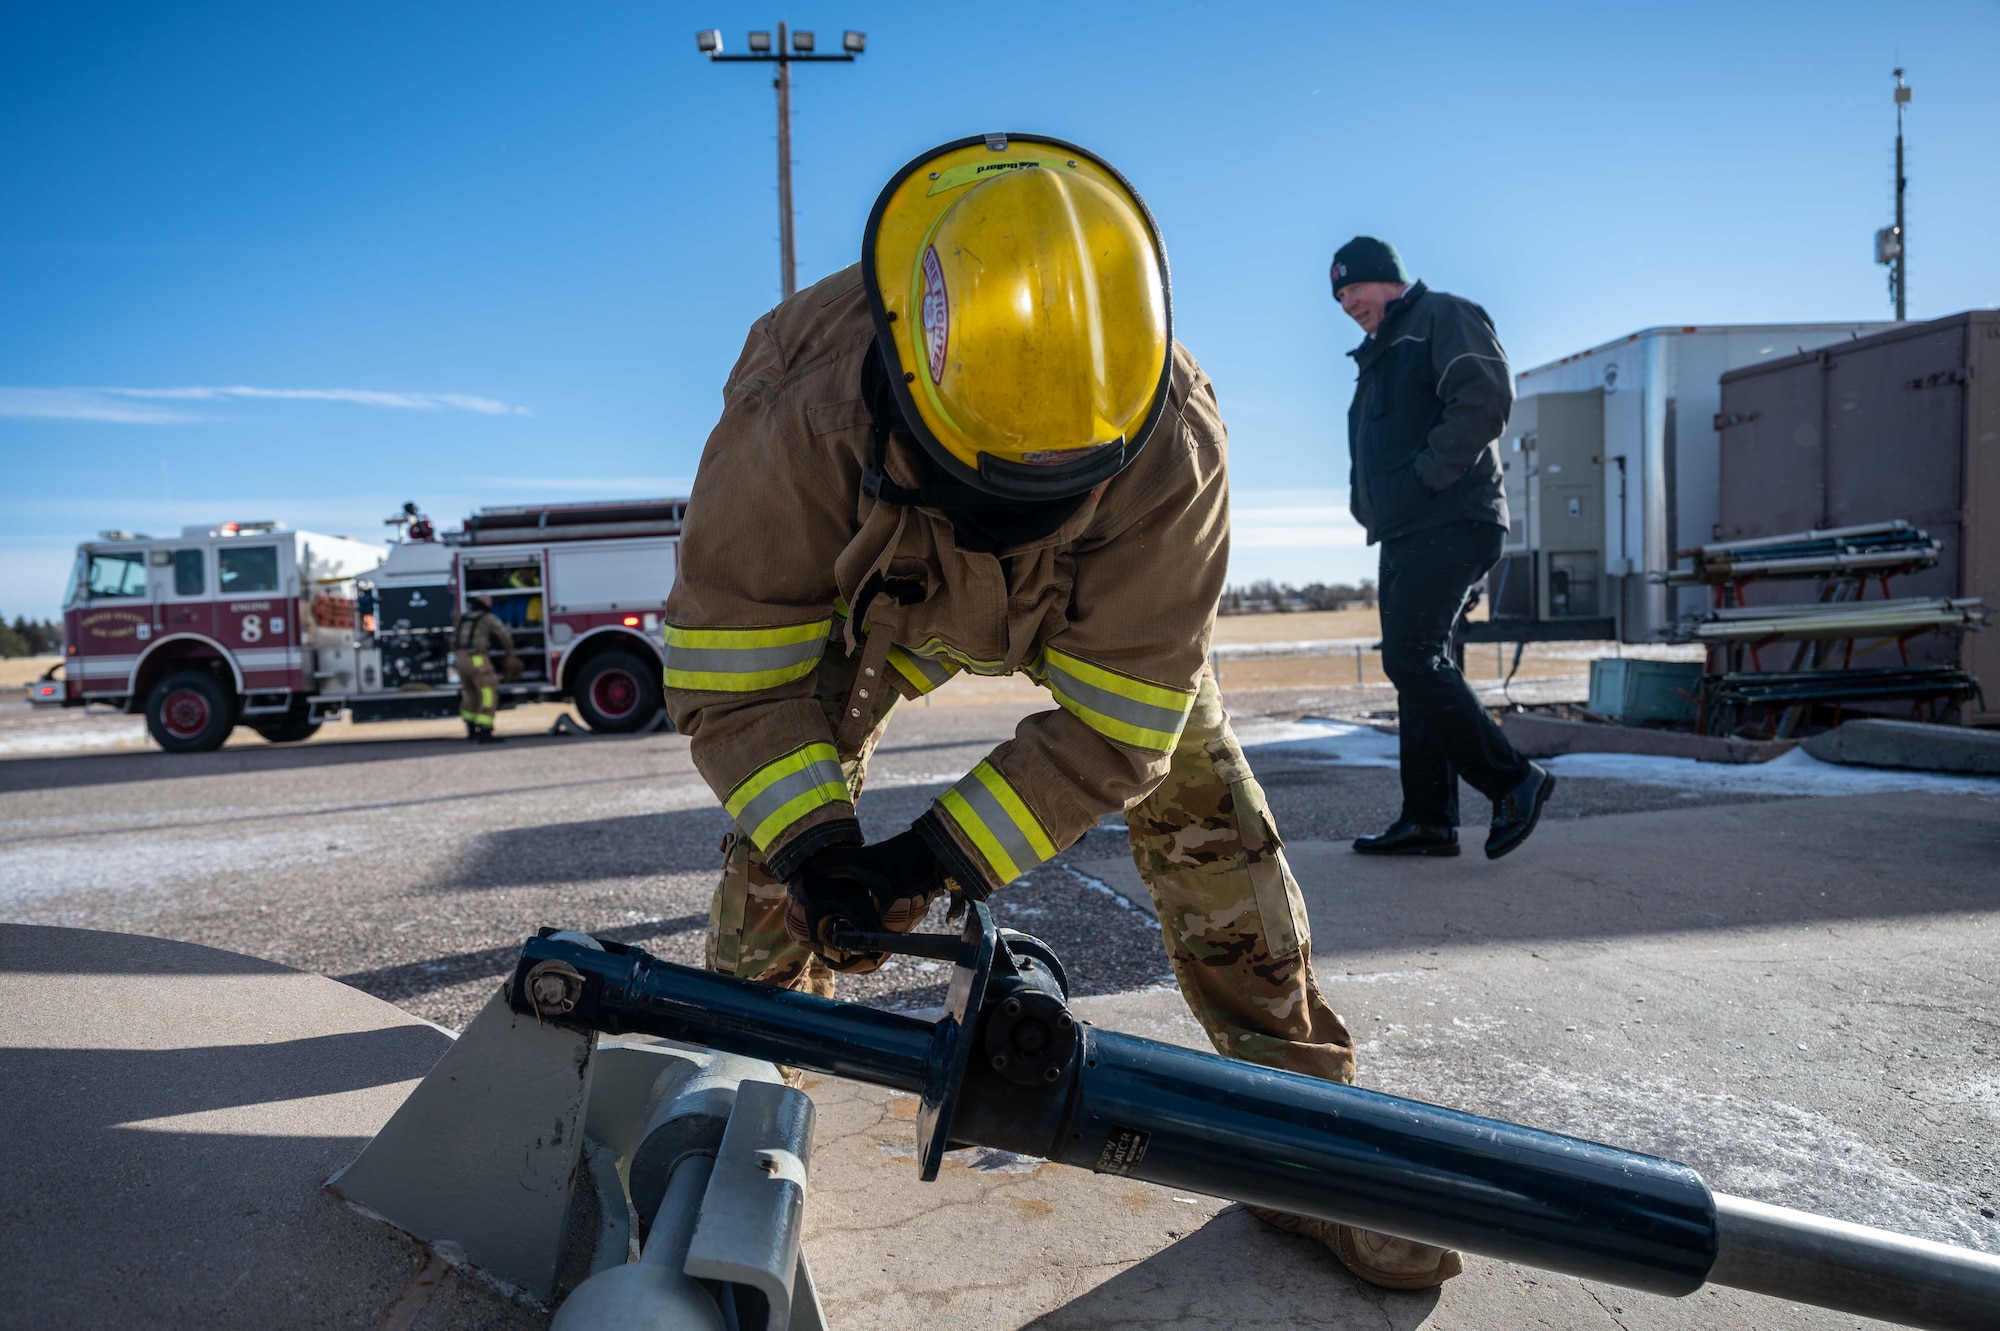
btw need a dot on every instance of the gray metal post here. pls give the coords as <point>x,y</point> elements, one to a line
<point>788,259</point>
<point>1812,1259</point>
<point>1899,273</point>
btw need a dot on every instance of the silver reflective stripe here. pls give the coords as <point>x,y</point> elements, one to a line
<point>785,789</point>
<point>926,667</point>
<point>742,660</point>
<point>998,822</point>
<point>1131,711</point>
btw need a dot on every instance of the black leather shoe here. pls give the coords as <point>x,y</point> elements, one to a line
<point>1410,839</point>
<point>1516,813</point>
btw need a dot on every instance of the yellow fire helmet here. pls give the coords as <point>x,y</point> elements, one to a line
<point>1024,312</point>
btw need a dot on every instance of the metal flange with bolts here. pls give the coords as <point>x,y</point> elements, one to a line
<point>1008,1066</point>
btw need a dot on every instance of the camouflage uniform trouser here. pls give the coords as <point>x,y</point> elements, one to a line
<point>1230,912</point>
<point>479,688</point>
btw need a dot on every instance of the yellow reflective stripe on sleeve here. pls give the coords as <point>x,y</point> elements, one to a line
<point>1131,711</point>
<point>998,822</point>
<point>743,660</point>
<point>780,793</point>
<point>923,673</point>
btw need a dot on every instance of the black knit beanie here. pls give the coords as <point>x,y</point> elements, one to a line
<point>1366,259</point>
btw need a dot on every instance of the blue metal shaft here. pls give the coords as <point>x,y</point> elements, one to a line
<point>643,994</point>
<point>1191,1120</point>
<point>1196,1121</point>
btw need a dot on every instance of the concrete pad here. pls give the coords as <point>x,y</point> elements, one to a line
<point>174,1111</point>
<point>1910,744</point>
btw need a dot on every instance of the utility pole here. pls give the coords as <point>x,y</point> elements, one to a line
<point>791,47</point>
<point>1892,243</point>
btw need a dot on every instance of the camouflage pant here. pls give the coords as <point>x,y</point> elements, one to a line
<point>1230,913</point>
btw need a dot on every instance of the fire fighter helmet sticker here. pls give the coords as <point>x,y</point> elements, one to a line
<point>937,313</point>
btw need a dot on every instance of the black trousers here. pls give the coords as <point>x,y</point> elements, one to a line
<point>1445,733</point>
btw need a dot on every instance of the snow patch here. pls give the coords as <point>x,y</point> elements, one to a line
<point>1350,744</point>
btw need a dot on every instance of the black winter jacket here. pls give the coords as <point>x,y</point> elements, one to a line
<point>1429,406</point>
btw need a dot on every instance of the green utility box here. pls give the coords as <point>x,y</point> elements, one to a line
<point>1645,692</point>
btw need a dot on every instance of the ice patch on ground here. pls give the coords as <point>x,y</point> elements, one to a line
<point>138,865</point>
<point>81,739</point>
<point>1349,744</point>
<point>1315,739</point>
<point>1762,1149</point>
<point>1794,773</point>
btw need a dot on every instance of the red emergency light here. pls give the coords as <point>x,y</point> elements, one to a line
<point>631,621</point>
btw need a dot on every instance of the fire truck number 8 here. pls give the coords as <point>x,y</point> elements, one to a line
<point>253,628</point>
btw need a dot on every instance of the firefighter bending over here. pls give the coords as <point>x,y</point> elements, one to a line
<point>982,451</point>
<point>473,640</point>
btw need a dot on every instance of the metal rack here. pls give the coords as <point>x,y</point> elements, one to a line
<point>1845,560</point>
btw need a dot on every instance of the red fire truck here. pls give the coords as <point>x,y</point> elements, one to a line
<point>251,623</point>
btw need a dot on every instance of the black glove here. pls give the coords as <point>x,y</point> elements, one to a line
<point>886,886</point>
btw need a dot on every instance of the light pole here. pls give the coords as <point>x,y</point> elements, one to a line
<point>1892,242</point>
<point>790,47</point>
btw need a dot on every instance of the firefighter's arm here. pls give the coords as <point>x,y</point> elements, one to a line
<point>1124,671</point>
<point>751,613</point>
<point>501,636</point>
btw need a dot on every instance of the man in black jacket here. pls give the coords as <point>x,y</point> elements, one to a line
<point>1431,400</point>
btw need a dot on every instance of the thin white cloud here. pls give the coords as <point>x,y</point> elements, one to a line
<point>132,406</point>
<point>1293,520</point>
<point>83,404</point>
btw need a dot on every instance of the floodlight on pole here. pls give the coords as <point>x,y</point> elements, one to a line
<point>800,49</point>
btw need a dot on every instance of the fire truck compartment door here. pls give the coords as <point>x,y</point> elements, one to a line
<point>181,590</point>
<point>256,610</point>
<point>633,575</point>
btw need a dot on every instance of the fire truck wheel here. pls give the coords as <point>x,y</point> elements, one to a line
<point>290,728</point>
<point>190,713</point>
<point>616,692</point>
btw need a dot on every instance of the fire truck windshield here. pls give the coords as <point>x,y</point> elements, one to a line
<point>114,573</point>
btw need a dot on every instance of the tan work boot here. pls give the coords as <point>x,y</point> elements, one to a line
<point>1379,1259</point>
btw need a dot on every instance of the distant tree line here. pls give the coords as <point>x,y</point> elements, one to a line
<point>26,637</point>
<point>1267,596</point>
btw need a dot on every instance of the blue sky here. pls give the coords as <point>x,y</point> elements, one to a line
<point>307,261</point>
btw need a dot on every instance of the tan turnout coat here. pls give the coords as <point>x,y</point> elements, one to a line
<point>1112,612</point>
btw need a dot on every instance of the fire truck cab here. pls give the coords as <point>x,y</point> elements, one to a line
<point>280,630</point>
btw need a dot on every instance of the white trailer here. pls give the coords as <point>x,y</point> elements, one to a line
<point>1611,462</point>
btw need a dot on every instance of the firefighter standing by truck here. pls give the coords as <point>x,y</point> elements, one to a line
<point>473,640</point>
<point>986,453</point>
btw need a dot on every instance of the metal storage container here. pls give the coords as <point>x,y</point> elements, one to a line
<point>1637,692</point>
<point>1901,424</point>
